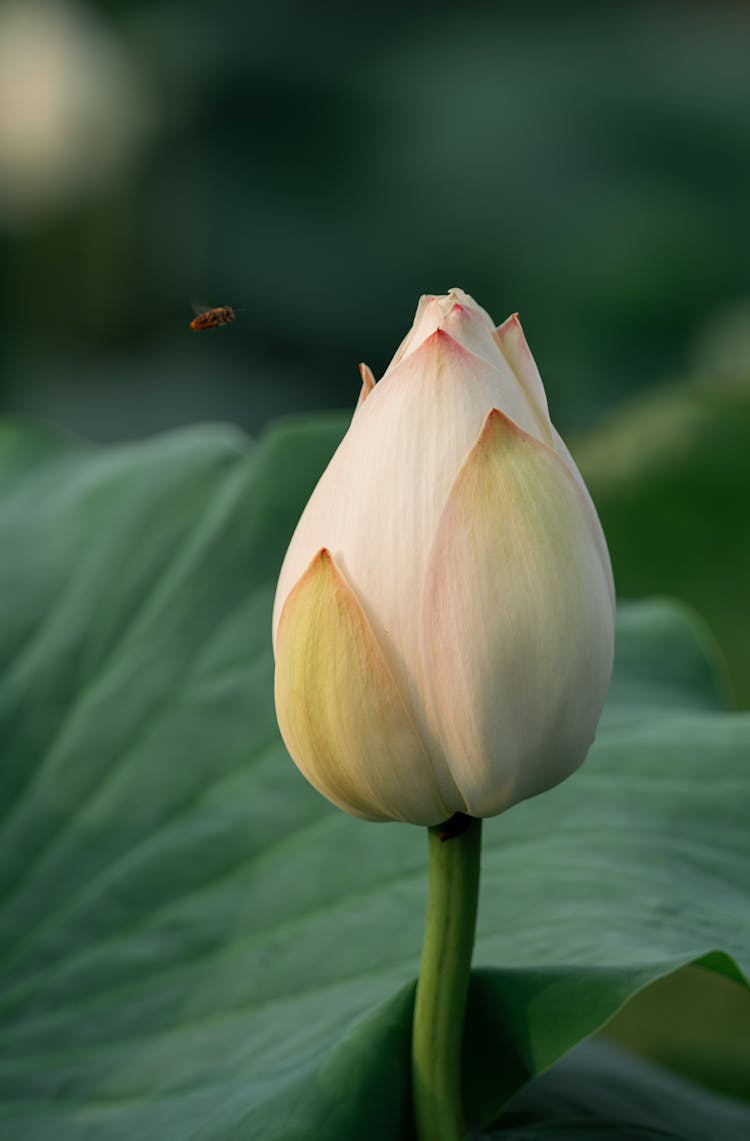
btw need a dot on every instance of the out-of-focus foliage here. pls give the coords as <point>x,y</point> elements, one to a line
<point>185,951</point>
<point>670,474</point>
<point>321,165</point>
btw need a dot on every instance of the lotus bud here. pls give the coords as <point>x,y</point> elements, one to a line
<point>444,617</point>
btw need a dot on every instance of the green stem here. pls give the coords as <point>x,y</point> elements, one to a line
<point>444,978</point>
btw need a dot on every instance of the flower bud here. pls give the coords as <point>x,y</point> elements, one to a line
<point>443,623</point>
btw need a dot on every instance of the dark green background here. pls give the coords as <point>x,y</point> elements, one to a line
<point>320,165</point>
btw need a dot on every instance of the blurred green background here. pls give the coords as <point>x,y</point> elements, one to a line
<point>319,166</point>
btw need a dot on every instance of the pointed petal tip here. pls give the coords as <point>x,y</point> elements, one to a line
<point>368,384</point>
<point>444,341</point>
<point>511,340</point>
<point>367,375</point>
<point>322,560</point>
<point>497,423</point>
<point>510,327</point>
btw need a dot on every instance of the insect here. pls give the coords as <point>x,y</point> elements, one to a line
<point>212,318</point>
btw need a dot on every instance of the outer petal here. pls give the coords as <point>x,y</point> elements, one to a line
<point>510,337</point>
<point>391,476</point>
<point>341,714</point>
<point>518,622</point>
<point>596,528</point>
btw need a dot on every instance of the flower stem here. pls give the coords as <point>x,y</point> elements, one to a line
<point>444,978</point>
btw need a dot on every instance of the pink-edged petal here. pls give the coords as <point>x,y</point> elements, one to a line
<point>457,314</point>
<point>513,345</point>
<point>390,478</point>
<point>518,622</point>
<point>378,504</point>
<point>341,713</point>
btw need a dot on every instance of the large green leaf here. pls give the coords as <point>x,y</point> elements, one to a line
<point>194,944</point>
<point>695,1022</point>
<point>599,1092</point>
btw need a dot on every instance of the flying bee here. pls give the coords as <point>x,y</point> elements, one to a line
<point>212,318</point>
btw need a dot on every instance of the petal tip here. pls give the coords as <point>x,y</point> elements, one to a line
<point>445,341</point>
<point>368,384</point>
<point>498,423</point>
<point>509,325</point>
<point>367,376</point>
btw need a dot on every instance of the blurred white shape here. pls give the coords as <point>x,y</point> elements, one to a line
<point>73,106</point>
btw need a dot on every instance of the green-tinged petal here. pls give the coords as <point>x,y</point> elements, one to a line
<point>514,347</point>
<point>341,714</point>
<point>518,622</point>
